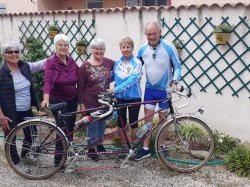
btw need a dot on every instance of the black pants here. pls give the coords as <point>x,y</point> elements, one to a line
<point>133,112</point>
<point>29,134</point>
<point>67,124</point>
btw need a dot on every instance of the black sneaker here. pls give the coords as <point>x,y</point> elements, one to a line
<point>92,155</point>
<point>102,150</point>
<point>141,154</point>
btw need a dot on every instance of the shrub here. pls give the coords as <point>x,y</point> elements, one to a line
<point>35,52</point>
<point>223,28</point>
<point>238,161</point>
<point>224,143</point>
<point>191,132</point>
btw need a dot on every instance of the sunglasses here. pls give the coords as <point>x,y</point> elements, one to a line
<point>12,52</point>
<point>154,53</point>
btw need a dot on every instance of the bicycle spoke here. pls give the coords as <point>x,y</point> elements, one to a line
<point>178,150</point>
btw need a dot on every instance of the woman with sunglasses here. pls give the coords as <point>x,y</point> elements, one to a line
<point>17,94</point>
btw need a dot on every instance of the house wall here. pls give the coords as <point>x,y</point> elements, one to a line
<point>227,113</point>
<point>16,6</point>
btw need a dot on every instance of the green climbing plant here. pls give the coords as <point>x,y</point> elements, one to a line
<point>35,52</point>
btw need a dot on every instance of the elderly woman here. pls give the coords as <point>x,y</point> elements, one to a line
<point>60,80</point>
<point>94,77</point>
<point>127,76</point>
<point>17,93</point>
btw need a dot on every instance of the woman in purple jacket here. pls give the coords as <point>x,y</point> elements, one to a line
<point>60,80</point>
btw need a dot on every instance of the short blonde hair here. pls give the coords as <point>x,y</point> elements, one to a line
<point>127,40</point>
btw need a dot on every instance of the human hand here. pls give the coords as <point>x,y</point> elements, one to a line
<point>174,86</point>
<point>110,90</point>
<point>4,121</point>
<point>45,104</point>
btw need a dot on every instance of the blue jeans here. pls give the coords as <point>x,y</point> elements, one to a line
<point>95,131</point>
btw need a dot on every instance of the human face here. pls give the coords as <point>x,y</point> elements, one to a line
<point>153,34</point>
<point>62,48</point>
<point>12,56</point>
<point>98,53</point>
<point>126,50</point>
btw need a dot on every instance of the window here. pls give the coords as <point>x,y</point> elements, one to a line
<point>2,8</point>
<point>155,2</point>
<point>132,2</point>
<point>94,4</point>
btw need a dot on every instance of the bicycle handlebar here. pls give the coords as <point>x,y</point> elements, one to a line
<point>187,94</point>
<point>111,108</point>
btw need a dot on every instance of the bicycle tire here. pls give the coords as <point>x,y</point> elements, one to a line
<point>178,152</point>
<point>33,156</point>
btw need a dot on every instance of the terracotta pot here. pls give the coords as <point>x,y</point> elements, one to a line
<point>80,49</point>
<point>195,145</point>
<point>221,38</point>
<point>52,34</point>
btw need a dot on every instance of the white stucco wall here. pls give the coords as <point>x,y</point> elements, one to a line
<point>227,113</point>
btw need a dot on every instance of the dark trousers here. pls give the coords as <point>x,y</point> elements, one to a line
<point>67,124</point>
<point>29,134</point>
<point>133,112</point>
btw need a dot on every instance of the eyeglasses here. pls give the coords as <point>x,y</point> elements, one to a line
<point>154,53</point>
<point>99,49</point>
<point>12,52</point>
<point>63,46</point>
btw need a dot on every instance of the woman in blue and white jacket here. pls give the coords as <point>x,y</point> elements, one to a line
<point>127,75</point>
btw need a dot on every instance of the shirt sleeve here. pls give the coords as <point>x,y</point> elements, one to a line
<point>37,66</point>
<point>49,76</point>
<point>176,64</point>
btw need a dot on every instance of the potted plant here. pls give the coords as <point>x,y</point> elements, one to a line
<point>193,134</point>
<point>53,30</point>
<point>222,33</point>
<point>178,45</point>
<point>81,46</point>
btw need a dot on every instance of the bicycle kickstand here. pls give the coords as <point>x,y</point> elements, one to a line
<point>130,154</point>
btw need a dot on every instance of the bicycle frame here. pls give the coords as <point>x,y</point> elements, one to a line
<point>117,107</point>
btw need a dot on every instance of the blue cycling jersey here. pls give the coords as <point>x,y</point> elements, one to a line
<point>162,64</point>
<point>127,76</point>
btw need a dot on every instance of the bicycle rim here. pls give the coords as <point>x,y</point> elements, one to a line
<point>31,149</point>
<point>183,149</point>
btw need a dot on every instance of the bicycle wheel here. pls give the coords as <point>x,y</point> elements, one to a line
<point>186,145</point>
<point>31,149</point>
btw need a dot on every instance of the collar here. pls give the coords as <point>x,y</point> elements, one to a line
<point>123,58</point>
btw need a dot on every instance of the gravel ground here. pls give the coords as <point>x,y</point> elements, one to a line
<point>149,172</point>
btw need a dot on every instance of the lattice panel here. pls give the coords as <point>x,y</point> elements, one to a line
<point>206,64</point>
<point>74,29</point>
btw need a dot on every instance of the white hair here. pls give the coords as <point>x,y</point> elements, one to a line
<point>97,43</point>
<point>11,45</point>
<point>60,37</point>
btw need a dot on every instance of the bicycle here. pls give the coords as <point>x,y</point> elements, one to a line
<point>172,146</point>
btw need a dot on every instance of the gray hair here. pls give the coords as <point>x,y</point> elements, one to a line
<point>11,45</point>
<point>97,43</point>
<point>154,23</point>
<point>59,37</point>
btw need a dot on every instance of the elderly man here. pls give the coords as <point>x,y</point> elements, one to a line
<point>162,66</point>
